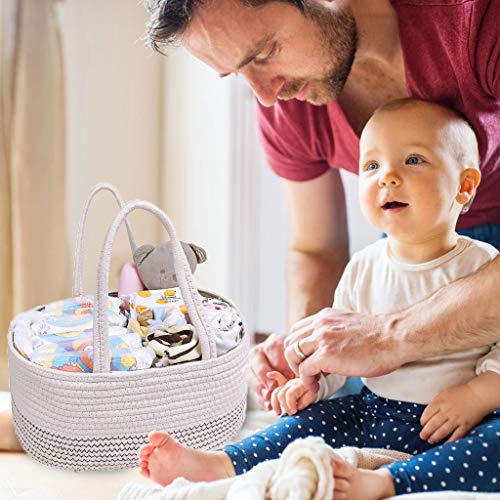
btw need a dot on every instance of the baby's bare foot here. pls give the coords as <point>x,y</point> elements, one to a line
<point>164,459</point>
<point>352,483</point>
<point>8,439</point>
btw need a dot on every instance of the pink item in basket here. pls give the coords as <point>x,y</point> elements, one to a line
<point>130,281</point>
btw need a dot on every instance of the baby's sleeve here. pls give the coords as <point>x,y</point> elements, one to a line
<point>329,385</point>
<point>490,361</point>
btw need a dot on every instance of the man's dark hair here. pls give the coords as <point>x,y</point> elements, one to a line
<point>170,18</point>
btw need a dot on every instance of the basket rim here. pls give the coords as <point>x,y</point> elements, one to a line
<point>199,366</point>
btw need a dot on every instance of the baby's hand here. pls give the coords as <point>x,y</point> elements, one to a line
<point>291,396</point>
<point>452,413</point>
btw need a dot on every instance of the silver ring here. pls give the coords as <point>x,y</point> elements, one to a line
<point>298,350</point>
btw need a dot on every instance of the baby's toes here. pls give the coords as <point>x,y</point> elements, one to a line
<point>341,469</point>
<point>145,469</point>
<point>146,450</point>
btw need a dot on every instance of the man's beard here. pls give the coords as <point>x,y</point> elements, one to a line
<point>339,33</point>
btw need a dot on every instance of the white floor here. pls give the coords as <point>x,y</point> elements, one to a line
<point>21,478</point>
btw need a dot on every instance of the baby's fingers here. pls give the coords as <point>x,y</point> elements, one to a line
<point>428,413</point>
<point>441,432</point>
<point>459,432</point>
<point>290,401</point>
<point>306,400</point>
<point>433,425</point>
<point>275,403</point>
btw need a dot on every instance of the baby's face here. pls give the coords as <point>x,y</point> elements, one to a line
<point>409,178</point>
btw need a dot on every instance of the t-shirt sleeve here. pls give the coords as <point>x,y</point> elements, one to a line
<point>490,361</point>
<point>329,385</point>
<point>292,137</point>
<point>485,44</point>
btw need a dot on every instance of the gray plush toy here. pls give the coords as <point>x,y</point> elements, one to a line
<point>156,264</point>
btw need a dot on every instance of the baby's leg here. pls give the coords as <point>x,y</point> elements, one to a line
<point>471,463</point>
<point>339,422</point>
<point>8,439</point>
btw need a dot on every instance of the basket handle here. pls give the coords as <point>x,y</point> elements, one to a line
<point>184,277</point>
<point>79,250</point>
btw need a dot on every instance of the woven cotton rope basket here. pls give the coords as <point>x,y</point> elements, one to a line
<point>98,421</point>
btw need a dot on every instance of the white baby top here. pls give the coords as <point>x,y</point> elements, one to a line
<point>375,282</point>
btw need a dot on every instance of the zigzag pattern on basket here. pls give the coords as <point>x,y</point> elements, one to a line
<point>115,452</point>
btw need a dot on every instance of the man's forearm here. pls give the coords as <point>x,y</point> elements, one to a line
<point>462,315</point>
<point>312,279</point>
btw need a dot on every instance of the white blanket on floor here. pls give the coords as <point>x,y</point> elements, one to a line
<point>302,473</point>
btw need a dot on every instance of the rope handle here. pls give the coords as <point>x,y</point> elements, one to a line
<point>79,250</point>
<point>184,276</point>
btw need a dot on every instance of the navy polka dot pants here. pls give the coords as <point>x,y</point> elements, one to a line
<point>367,420</point>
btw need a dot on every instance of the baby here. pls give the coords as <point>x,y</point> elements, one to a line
<point>419,169</point>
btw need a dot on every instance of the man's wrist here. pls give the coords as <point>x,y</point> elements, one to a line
<point>397,337</point>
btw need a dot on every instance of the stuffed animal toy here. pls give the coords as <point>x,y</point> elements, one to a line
<point>156,265</point>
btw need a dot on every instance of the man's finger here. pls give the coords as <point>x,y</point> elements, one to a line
<point>259,366</point>
<point>311,383</point>
<point>307,346</point>
<point>302,324</point>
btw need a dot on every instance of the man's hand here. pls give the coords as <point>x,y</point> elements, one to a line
<point>264,358</point>
<point>452,414</point>
<point>342,342</point>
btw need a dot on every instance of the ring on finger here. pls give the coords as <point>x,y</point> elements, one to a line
<point>298,351</point>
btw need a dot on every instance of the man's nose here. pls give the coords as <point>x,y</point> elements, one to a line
<point>267,92</point>
<point>389,178</point>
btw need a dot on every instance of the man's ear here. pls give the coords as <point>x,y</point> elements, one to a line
<point>469,181</point>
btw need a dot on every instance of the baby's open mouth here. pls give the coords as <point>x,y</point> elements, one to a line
<point>393,204</point>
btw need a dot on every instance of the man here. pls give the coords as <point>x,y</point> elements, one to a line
<point>319,69</point>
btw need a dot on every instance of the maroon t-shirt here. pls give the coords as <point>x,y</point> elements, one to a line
<point>451,51</point>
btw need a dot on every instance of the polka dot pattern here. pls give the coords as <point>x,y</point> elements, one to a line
<point>367,420</point>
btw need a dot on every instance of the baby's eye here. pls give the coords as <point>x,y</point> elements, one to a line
<point>413,160</point>
<point>372,165</point>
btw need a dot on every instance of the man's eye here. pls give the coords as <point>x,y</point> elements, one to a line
<point>269,55</point>
<point>373,165</point>
<point>413,160</point>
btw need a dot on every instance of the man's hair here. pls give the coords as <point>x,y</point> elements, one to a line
<point>170,18</point>
<point>464,138</point>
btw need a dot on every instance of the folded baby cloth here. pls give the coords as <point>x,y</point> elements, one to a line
<point>174,344</point>
<point>74,314</point>
<point>150,308</point>
<point>225,322</point>
<point>77,354</point>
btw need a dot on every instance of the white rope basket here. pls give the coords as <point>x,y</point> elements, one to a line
<point>98,421</point>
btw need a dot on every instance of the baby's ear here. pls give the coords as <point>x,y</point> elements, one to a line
<point>469,181</point>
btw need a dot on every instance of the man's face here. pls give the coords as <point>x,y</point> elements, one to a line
<point>281,52</point>
<point>409,177</point>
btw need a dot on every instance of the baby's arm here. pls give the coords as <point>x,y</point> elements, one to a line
<point>456,410</point>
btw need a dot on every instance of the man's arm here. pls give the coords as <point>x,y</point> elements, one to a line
<point>462,315</point>
<point>319,243</point>
<point>318,253</point>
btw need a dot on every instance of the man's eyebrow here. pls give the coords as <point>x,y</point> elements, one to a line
<point>259,47</point>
